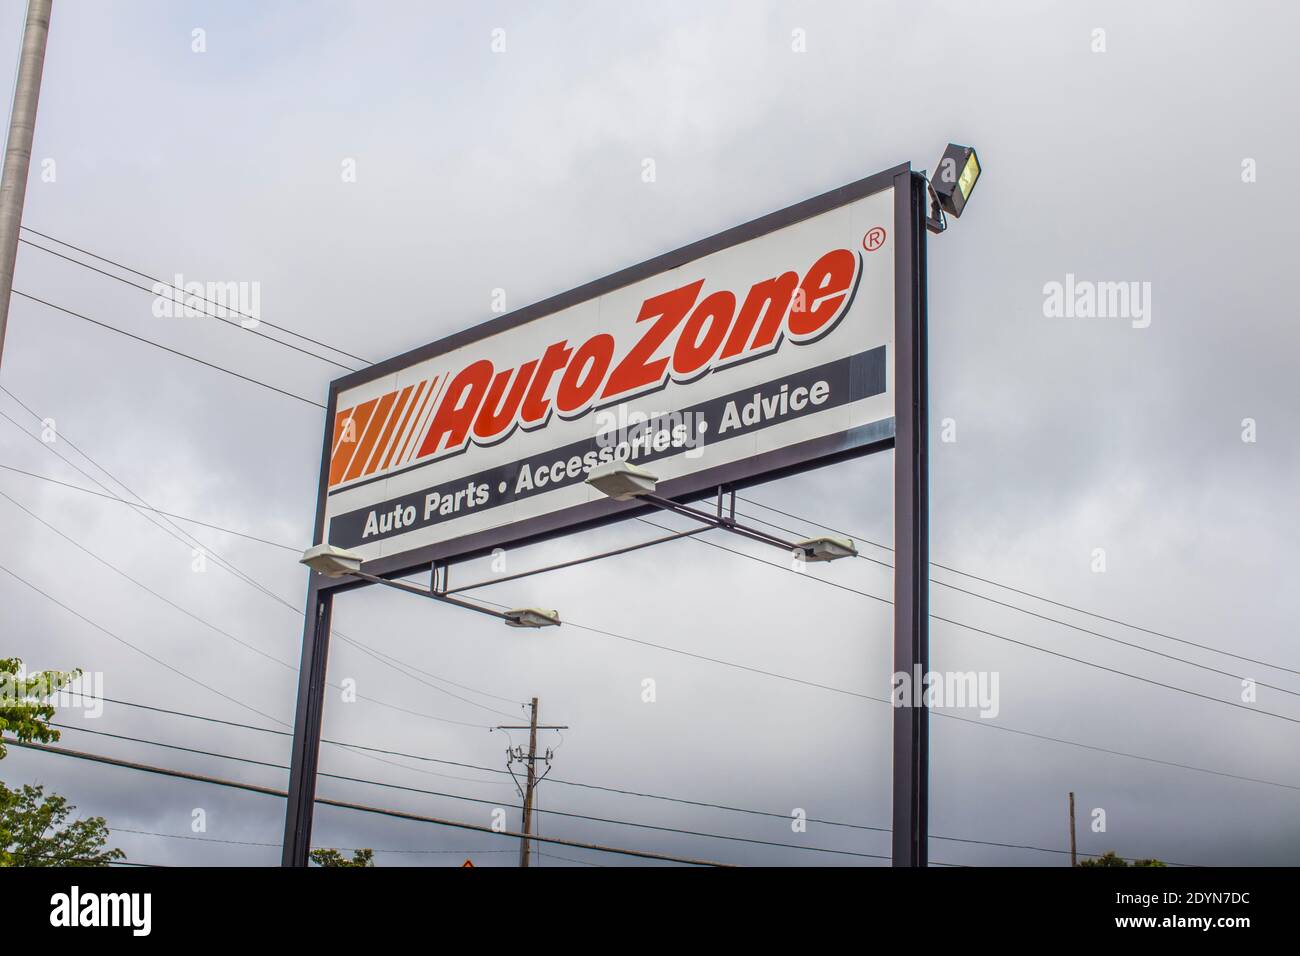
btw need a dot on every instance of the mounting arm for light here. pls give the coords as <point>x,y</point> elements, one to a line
<point>623,481</point>
<point>335,562</point>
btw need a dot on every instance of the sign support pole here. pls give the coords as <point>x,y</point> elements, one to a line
<point>307,725</point>
<point>310,709</point>
<point>911,530</point>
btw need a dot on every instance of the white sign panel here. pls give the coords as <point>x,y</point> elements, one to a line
<point>769,344</point>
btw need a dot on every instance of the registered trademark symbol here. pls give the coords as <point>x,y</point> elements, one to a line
<point>874,239</point>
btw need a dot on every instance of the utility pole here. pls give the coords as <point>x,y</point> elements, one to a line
<point>18,151</point>
<point>525,847</point>
<point>1073,860</point>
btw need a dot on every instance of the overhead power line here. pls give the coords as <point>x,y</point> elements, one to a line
<point>169,514</point>
<point>165,348</point>
<point>1053,620</point>
<point>258,843</point>
<point>694,803</point>
<point>139,650</point>
<point>1002,637</point>
<point>392,662</point>
<point>151,278</point>
<point>231,637</point>
<point>151,514</point>
<point>190,296</point>
<point>195,680</point>
<point>481,800</point>
<point>1008,587</point>
<point>978,722</point>
<point>880,700</point>
<point>155,517</point>
<point>345,805</point>
<point>664,797</point>
<point>140,584</point>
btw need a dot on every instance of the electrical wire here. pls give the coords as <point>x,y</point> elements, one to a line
<point>188,296</point>
<point>277,845</point>
<point>480,800</point>
<point>698,803</point>
<point>165,348</point>
<point>388,660</point>
<point>139,650</point>
<point>1003,637</point>
<point>1008,587</point>
<point>140,584</point>
<point>537,808</point>
<point>345,805</point>
<point>1075,627</point>
<point>145,275</point>
<point>169,514</point>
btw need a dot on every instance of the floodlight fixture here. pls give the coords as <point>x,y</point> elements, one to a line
<point>532,617</point>
<point>621,480</point>
<point>827,548</point>
<point>953,182</point>
<point>331,561</point>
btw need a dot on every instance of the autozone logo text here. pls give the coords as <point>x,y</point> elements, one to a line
<point>678,336</point>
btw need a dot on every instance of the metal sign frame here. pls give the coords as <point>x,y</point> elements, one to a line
<point>911,495</point>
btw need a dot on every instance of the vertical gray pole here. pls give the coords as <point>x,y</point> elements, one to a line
<point>525,847</point>
<point>911,525</point>
<point>310,710</point>
<point>1074,858</point>
<point>18,151</point>
<point>307,726</point>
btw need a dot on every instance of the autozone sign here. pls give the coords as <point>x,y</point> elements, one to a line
<point>765,348</point>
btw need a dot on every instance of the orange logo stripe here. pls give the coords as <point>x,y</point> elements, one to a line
<point>409,401</point>
<point>377,422</point>
<point>387,434</point>
<point>415,420</point>
<point>345,451</point>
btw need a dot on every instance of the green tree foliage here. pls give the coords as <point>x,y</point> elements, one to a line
<point>335,858</point>
<point>24,709</point>
<point>32,832</point>
<point>1110,858</point>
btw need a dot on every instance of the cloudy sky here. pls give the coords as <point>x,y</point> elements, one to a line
<point>1113,156</point>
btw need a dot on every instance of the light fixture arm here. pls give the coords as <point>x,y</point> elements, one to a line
<point>937,221</point>
<point>719,521</point>
<point>429,593</point>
